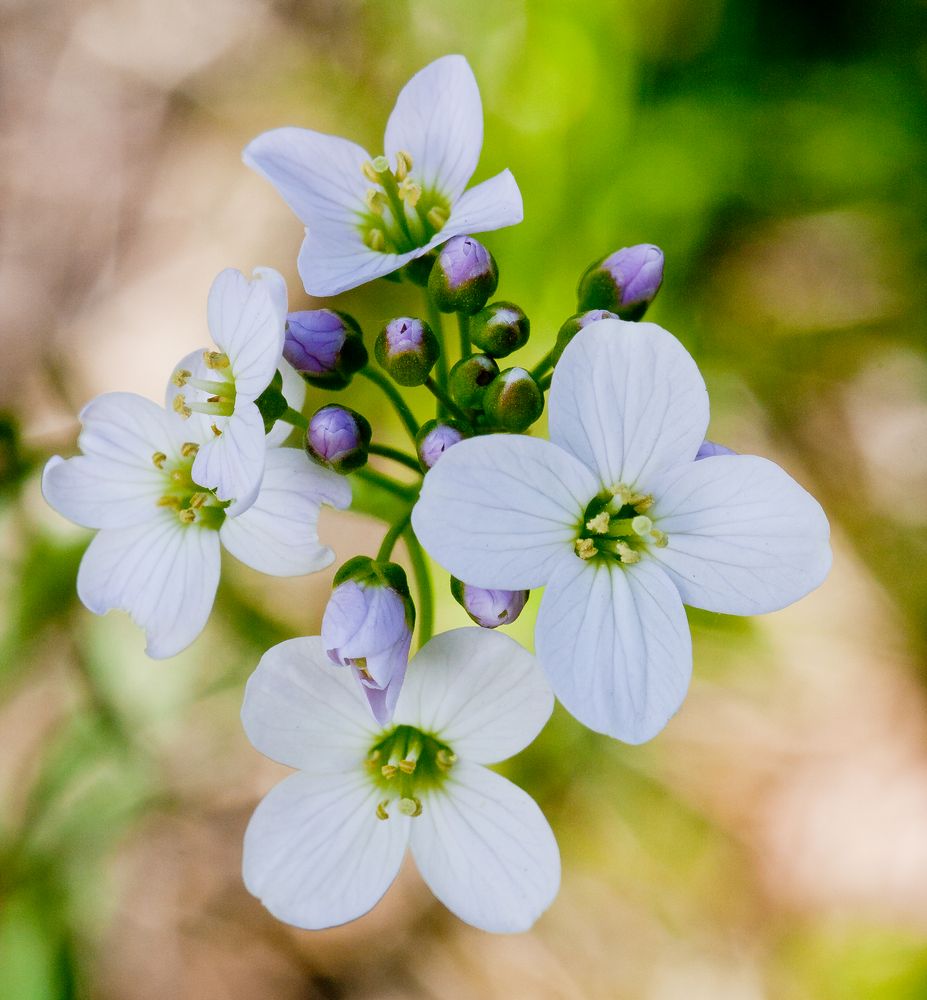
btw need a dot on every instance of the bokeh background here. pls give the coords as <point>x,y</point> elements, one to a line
<point>772,842</point>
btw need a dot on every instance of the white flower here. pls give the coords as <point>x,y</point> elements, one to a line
<point>157,551</point>
<point>218,389</point>
<point>326,843</point>
<point>367,217</point>
<point>623,526</point>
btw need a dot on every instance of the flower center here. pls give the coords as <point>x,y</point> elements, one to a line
<point>219,393</point>
<point>400,215</point>
<point>615,527</point>
<point>405,763</point>
<point>192,504</point>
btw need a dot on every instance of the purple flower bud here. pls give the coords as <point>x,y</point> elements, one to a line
<point>500,329</point>
<point>434,439</point>
<point>513,400</point>
<point>574,324</point>
<point>324,346</point>
<point>489,608</point>
<point>338,438</point>
<point>367,626</point>
<point>463,277</point>
<point>709,449</point>
<point>626,282</point>
<point>407,349</point>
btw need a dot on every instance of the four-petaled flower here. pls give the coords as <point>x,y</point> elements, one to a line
<point>326,843</point>
<point>367,217</point>
<point>623,526</point>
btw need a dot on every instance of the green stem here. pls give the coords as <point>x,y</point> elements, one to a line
<point>295,418</point>
<point>544,383</point>
<point>538,370</point>
<point>392,536</point>
<point>403,458</point>
<point>437,328</point>
<point>463,324</point>
<point>387,483</point>
<point>395,397</point>
<point>449,405</point>
<point>426,602</point>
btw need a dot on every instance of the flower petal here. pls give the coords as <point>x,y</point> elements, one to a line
<point>246,323</point>
<point>232,464</point>
<point>315,853</point>
<point>482,692</point>
<point>163,573</point>
<point>615,645</point>
<point>319,176</point>
<point>334,258</point>
<point>628,401</point>
<point>438,118</point>
<point>494,204</point>
<point>304,712</point>
<point>124,427</point>
<point>499,511</point>
<point>744,537</point>
<point>277,533</point>
<point>486,850</point>
<point>294,392</point>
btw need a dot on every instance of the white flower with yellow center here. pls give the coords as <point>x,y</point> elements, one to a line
<point>326,843</point>
<point>156,554</point>
<point>366,217</point>
<point>623,526</point>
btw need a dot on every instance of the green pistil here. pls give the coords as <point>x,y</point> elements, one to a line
<point>405,765</point>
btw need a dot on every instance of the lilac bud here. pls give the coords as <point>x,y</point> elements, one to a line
<point>324,346</point>
<point>338,438</point>
<point>469,378</point>
<point>434,438</point>
<point>463,277</point>
<point>626,282</point>
<point>500,329</point>
<point>709,449</point>
<point>573,325</point>
<point>367,626</point>
<point>407,349</point>
<point>489,608</point>
<point>513,400</point>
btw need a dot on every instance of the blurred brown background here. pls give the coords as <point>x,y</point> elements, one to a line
<point>772,843</point>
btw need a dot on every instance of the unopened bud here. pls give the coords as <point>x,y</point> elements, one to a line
<point>500,329</point>
<point>338,438</point>
<point>407,349</point>
<point>708,449</point>
<point>434,438</point>
<point>489,608</point>
<point>463,277</point>
<point>324,346</point>
<point>513,400</point>
<point>626,282</point>
<point>469,378</point>
<point>573,325</point>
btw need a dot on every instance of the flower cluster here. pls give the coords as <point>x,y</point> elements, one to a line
<point>625,515</point>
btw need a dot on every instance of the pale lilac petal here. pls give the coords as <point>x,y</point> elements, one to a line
<point>482,691</point>
<point>628,401</point>
<point>744,537</point>
<point>438,118</point>
<point>315,853</point>
<point>486,850</point>
<point>494,204</point>
<point>164,573</point>
<point>304,712</point>
<point>708,449</point>
<point>389,666</point>
<point>499,511</point>
<point>615,645</point>
<point>232,464</point>
<point>278,533</point>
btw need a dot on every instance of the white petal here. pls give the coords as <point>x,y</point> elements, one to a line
<point>616,647</point>
<point>438,118</point>
<point>277,533</point>
<point>315,853</point>
<point>319,176</point>
<point>494,204</point>
<point>232,464</point>
<point>499,511</point>
<point>482,692</point>
<point>303,711</point>
<point>246,324</point>
<point>628,401</point>
<point>334,258</point>
<point>163,573</point>
<point>744,537</point>
<point>123,427</point>
<point>276,286</point>
<point>294,392</point>
<point>486,850</point>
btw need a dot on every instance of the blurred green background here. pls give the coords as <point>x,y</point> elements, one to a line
<point>772,843</point>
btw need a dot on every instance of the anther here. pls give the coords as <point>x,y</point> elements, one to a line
<point>642,502</point>
<point>169,501</point>
<point>367,169</point>
<point>179,378</point>
<point>437,217</point>
<point>376,201</point>
<point>372,758</point>
<point>445,759</point>
<point>410,807</point>
<point>216,360</point>
<point>381,809</point>
<point>180,406</point>
<point>215,430</point>
<point>659,538</point>
<point>389,770</point>
<point>159,458</point>
<point>410,192</point>
<point>622,493</point>
<point>626,554</point>
<point>403,164</point>
<point>189,448</point>
<point>585,548</point>
<point>198,499</point>
<point>599,523</point>
<point>187,516</point>
<point>407,766</point>
<point>375,240</point>
<point>641,525</point>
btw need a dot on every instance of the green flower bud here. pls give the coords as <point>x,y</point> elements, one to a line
<point>469,378</point>
<point>573,325</point>
<point>407,349</point>
<point>463,277</point>
<point>500,329</point>
<point>513,400</point>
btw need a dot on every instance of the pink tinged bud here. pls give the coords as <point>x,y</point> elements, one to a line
<point>434,439</point>
<point>500,329</point>
<point>513,400</point>
<point>489,608</point>
<point>626,282</point>
<point>464,276</point>
<point>407,349</point>
<point>337,438</point>
<point>324,346</point>
<point>709,449</point>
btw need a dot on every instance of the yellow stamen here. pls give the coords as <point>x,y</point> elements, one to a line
<point>381,809</point>
<point>389,770</point>
<point>369,172</point>
<point>660,538</point>
<point>410,807</point>
<point>189,448</point>
<point>198,499</point>
<point>407,766</point>
<point>437,217</point>
<point>375,240</point>
<point>626,554</point>
<point>599,523</point>
<point>216,360</point>
<point>445,759</point>
<point>585,548</point>
<point>403,164</point>
<point>188,516</point>
<point>169,501</point>
<point>642,502</point>
<point>410,192</point>
<point>180,406</point>
<point>215,430</point>
<point>159,458</point>
<point>376,201</point>
<point>179,378</point>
